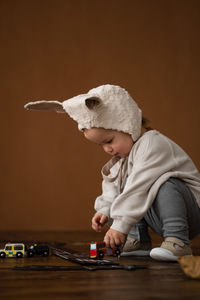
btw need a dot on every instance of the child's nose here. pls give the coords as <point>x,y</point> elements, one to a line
<point>107,148</point>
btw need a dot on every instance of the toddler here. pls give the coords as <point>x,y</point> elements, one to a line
<point>150,180</point>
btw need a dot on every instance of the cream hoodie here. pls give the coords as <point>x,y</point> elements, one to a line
<point>152,160</point>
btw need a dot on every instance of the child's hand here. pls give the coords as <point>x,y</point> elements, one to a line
<point>114,238</point>
<point>98,221</point>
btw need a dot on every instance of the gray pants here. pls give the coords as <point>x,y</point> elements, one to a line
<point>174,213</point>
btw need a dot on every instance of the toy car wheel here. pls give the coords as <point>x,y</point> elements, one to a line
<point>117,252</point>
<point>100,255</point>
<point>19,254</point>
<point>30,253</point>
<point>2,255</point>
<point>46,253</point>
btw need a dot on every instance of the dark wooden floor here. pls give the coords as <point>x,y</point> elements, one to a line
<point>159,281</point>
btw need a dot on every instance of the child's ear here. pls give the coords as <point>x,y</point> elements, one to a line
<point>92,102</point>
<point>45,105</point>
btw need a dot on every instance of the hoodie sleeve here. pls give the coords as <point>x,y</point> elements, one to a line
<point>110,191</point>
<point>152,157</point>
<point>104,201</point>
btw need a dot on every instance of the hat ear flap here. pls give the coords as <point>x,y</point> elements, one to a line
<point>92,102</point>
<point>45,105</point>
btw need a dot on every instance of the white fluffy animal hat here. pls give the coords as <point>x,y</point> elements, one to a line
<point>107,106</point>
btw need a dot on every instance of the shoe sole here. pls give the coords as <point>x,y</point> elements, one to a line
<point>163,255</point>
<point>136,253</point>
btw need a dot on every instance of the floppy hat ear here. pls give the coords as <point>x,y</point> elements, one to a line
<point>45,105</point>
<point>92,102</point>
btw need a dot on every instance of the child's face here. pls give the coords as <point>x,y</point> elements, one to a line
<point>114,142</point>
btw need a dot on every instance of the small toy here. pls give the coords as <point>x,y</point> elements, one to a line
<point>38,250</point>
<point>99,249</point>
<point>13,250</point>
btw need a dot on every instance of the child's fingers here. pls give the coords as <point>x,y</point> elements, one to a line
<point>98,221</point>
<point>95,220</point>
<point>103,219</point>
<point>123,240</point>
<point>107,240</point>
<point>96,225</point>
<point>112,243</point>
<point>114,238</point>
<point>118,242</point>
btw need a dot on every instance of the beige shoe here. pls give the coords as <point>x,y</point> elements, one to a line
<point>170,250</point>
<point>133,247</point>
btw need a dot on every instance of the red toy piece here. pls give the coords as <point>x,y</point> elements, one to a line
<point>99,249</point>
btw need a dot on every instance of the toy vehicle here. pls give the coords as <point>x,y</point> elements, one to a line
<point>13,250</point>
<point>99,249</point>
<point>38,250</point>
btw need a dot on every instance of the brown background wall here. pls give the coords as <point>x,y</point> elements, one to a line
<point>56,49</point>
